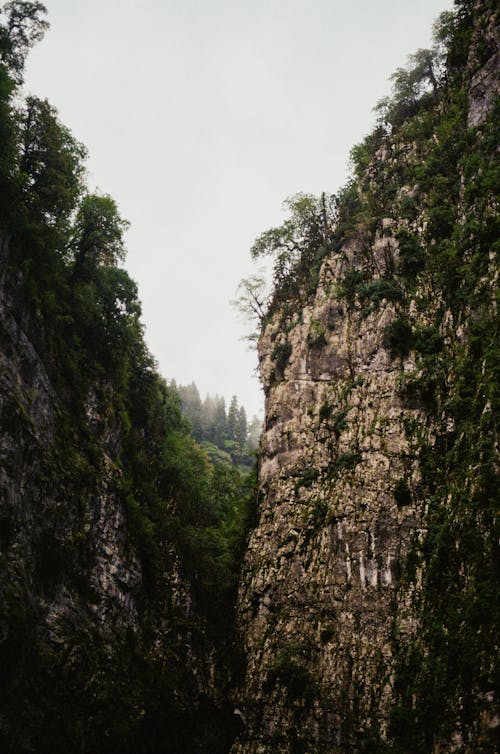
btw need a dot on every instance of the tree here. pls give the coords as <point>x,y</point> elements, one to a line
<point>412,86</point>
<point>254,433</point>
<point>24,27</point>
<point>296,248</point>
<point>253,301</point>
<point>220,431</point>
<point>241,429</point>
<point>98,238</point>
<point>233,418</point>
<point>192,408</point>
<point>50,164</point>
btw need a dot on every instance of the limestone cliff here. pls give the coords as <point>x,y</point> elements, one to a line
<point>368,582</point>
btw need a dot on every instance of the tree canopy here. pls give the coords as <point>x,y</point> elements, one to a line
<point>23,26</point>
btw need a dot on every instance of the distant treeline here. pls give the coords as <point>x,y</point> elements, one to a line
<point>225,434</point>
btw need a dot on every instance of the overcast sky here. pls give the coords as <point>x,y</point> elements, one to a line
<point>200,118</point>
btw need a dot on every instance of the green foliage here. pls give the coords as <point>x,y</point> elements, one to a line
<point>281,354</point>
<point>24,25</point>
<point>339,421</point>
<point>377,290</point>
<point>325,411</point>
<point>413,87</point>
<point>120,446</point>
<point>98,234</point>
<point>307,478</point>
<point>411,255</point>
<point>362,154</point>
<point>352,281</point>
<point>8,187</point>
<point>296,248</point>
<point>316,337</point>
<point>227,437</point>
<point>398,337</point>
<point>50,164</point>
<point>344,462</point>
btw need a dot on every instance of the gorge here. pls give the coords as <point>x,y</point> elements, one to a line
<point>154,600</point>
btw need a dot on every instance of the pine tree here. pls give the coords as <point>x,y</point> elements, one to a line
<point>233,419</point>
<point>241,430</point>
<point>220,430</point>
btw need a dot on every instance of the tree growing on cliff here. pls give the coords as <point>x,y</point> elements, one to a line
<point>98,238</point>
<point>50,164</point>
<point>24,25</point>
<point>295,249</point>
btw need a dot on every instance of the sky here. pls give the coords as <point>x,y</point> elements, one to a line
<point>201,117</point>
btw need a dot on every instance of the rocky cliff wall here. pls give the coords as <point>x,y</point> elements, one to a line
<point>357,594</point>
<point>96,654</point>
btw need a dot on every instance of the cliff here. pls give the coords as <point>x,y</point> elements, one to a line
<point>368,598</point>
<point>367,601</point>
<point>105,644</point>
<point>117,562</point>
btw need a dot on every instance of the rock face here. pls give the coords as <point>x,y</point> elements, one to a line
<point>337,590</point>
<point>484,84</point>
<point>94,657</point>
<point>319,596</point>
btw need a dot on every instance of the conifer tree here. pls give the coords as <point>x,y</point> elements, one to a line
<point>241,430</point>
<point>233,419</point>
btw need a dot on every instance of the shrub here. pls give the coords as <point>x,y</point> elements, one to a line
<point>402,493</point>
<point>411,255</point>
<point>281,355</point>
<point>398,337</point>
<point>350,284</point>
<point>307,477</point>
<point>377,290</point>
<point>291,673</point>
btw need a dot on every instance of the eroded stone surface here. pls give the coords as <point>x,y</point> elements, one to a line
<point>318,596</point>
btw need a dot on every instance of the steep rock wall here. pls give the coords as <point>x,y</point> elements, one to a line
<point>319,596</point>
<point>95,657</point>
<point>364,386</point>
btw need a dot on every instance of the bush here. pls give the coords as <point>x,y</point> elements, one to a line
<point>411,255</point>
<point>307,477</point>
<point>378,290</point>
<point>281,355</point>
<point>398,338</point>
<point>291,673</point>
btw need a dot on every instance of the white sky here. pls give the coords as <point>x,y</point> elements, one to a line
<point>200,118</point>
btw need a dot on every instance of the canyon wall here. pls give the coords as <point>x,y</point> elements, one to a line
<point>379,453</point>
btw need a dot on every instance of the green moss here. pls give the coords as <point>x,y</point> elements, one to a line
<point>307,478</point>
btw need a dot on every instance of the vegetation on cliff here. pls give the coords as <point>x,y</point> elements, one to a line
<point>94,679</point>
<point>426,181</point>
<point>99,464</point>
